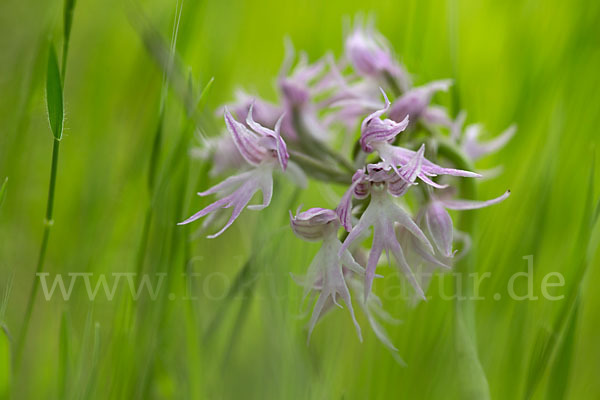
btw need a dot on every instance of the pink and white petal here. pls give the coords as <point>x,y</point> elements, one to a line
<point>408,174</point>
<point>221,203</point>
<point>282,153</point>
<point>475,149</point>
<point>380,332</point>
<point>240,199</point>
<point>227,184</point>
<point>404,155</point>
<point>256,127</point>
<point>436,115</point>
<point>265,184</point>
<point>349,262</point>
<point>428,181</point>
<point>427,256</point>
<point>316,314</point>
<point>345,295</point>
<point>396,250</point>
<point>472,204</point>
<point>355,233</point>
<point>344,209</point>
<point>395,213</point>
<point>245,140</point>
<point>376,114</point>
<point>375,253</point>
<point>457,125</point>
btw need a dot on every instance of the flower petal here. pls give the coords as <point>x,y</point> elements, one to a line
<point>471,204</point>
<point>476,149</point>
<point>374,130</point>
<point>400,185</point>
<point>439,225</point>
<point>396,250</point>
<point>245,140</point>
<point>344,209</point>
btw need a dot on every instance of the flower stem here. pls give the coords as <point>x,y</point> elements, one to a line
<point>392,83</point>
<point>152,169</point>
<point>472,380</point>
<point>48,222</point>
<point>318,169</point>
<point>313,145</point>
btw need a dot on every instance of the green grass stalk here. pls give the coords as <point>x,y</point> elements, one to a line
<point>48,223</point>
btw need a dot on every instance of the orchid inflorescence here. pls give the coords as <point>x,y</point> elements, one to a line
<point>322,104</point>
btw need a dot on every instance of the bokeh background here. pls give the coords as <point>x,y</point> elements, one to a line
<point>534,63</point>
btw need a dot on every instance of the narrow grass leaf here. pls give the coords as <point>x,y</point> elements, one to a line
<point>559,376</point>
<point>547,345</point>
<point>3,190</point>
<point>596,214</point>
<point>69,7</point>
<point>64,354</point>
<point>54,95</point>
<point>558,343</point>
<point>5,362</point>
<point>94,362</point>
<point>205,90</point>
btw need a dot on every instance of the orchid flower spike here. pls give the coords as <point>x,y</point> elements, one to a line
<point>325,273</point>
<point>262,148</point>
<point>320,105</point>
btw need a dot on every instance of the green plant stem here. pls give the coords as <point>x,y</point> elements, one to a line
<point>472,380</point>
<point>313,145</point>
<point>152,168</point>
<point>48,222</point>
<point>318,169</point>
<point>392,83</point>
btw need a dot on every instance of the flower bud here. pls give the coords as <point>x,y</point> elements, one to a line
<point>314,224</point>
<point>415,102</point>
<point>368,52</point>
<point>295,93</point>
<point>438,225</point>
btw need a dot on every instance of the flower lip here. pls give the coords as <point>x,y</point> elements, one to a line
<point>378,172</point>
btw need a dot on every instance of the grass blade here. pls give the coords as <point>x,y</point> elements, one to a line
<point>559,376</point>
<point>68,9</point>
<point>64,354</point>
<point>3,191</point>
<point>5,362</point>
<point>558,343</point>
<point>54,95</point>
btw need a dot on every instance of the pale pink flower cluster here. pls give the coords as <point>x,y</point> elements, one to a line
<point>394,157</point>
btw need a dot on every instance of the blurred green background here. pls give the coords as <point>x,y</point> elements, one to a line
<point>531,62</point>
